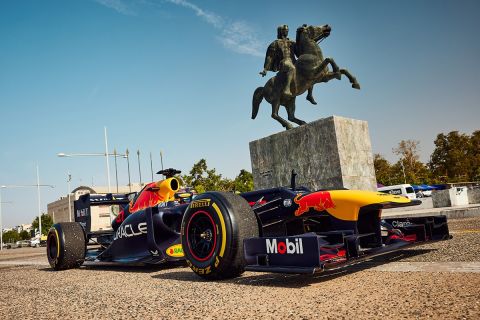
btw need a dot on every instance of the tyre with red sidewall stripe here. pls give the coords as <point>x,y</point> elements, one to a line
<point>66,245</point>
<point>213,229</point>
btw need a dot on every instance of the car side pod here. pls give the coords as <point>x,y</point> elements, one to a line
<point>158,227</point>
<point>319,251</point>
<point>144,238</point>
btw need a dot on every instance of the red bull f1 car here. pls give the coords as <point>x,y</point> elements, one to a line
<point>220,235</point>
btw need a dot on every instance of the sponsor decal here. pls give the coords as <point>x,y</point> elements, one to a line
<point>127,231</point>
<point>175,251</point>
<point>200,203</point>
<point>287,203</point>
<point>197,270</point>
<point>284,247</point>
<point>401,224</point>
<point>82,212</point>
<point>395,191</point>
<point>259,202</point>
<point>319,201</point>
<point>163,204</point>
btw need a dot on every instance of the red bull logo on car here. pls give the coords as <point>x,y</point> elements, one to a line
<point>319,201</point>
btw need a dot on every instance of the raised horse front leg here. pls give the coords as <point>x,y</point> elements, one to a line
<point>351,78</point>
<point>335,69</point>
<point>337,72</point>
<point>275,108</point>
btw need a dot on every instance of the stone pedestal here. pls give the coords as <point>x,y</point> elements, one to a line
<point>329,153</point>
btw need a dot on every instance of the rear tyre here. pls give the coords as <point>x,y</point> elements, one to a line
<point>213,229</point>
<point>66,245</point>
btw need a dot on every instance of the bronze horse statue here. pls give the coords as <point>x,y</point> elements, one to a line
<point>310,68</point>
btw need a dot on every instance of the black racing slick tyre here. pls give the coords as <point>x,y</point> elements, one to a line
<point>66,245</point>
<point>213,229</point>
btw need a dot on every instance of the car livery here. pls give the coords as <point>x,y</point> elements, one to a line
<point>221,234</point>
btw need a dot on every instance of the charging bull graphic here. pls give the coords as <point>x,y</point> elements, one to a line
<point>319,201</point>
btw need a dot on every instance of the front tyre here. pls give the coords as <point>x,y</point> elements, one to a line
<point>66,245</point>
<point>213,229</point>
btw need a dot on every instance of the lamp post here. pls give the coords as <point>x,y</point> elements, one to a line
<point>116,171</point>
<point>1,222</point>
<point>128,166</point>
<point>97,154</point>
<point>38,185</point>
<point>139,171</point>
<point>151,165</point>
<point>69,178</point>
<point>39,206</point>
<point>106,157</point>
<point>161,158</point>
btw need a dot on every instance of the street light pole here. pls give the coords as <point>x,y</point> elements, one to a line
<point>38,185</point>
<point>106,157</point>
<point>39,206</point>
<point>139,171</point>
<point>116,170</point>
<point>151,165</point>
<point>1,222</point>
<point>161,158</point>
<point>115,154</point>
<point>69,178</point>
<point>128,166</point>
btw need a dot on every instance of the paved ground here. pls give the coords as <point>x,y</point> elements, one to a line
<point>440,280</point>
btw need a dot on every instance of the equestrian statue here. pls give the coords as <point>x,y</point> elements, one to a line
<point>299,65</point>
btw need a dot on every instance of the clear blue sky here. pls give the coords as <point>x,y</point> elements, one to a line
<point>178,76</point>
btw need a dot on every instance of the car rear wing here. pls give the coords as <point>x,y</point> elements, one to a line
<point>105,202</point>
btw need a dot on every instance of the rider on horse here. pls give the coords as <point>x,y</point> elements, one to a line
<point>281,57</point>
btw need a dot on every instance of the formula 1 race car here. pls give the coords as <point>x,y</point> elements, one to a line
<point>220,234</point>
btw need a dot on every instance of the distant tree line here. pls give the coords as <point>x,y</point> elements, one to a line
<point>203,179</point>
<point>14,235</point>
<point>456,158</point>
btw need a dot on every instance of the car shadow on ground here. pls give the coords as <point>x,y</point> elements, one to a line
<point>140,268</point>
<point>296,280</point>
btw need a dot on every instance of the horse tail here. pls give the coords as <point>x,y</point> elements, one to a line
<point>257,98</point>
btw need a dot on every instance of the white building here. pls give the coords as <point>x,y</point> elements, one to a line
<point>24,227</point>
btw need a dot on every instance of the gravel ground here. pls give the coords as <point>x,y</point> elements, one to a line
<point>175,292</point>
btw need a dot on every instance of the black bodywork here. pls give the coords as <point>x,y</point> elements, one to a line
<point>318,241</point>
<point>314,241</point>
<point>144,237</point>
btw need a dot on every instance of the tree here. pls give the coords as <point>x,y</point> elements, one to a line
<point>451,160</point>
<point>474,155</point>
<point>383,170</point>
<point>244,181</point>
<point>408,151</point>
<point>203,179</point>
<point>46,223</point>
<point>24,235</point>
<point>11,236</point>
<point>409,169</point>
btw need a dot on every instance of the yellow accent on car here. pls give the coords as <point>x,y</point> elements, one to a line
<point>58,243</point>
<point>175,251</point>
<point>224,233</point>
<point>349,202</point>
<point>167,189</point>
